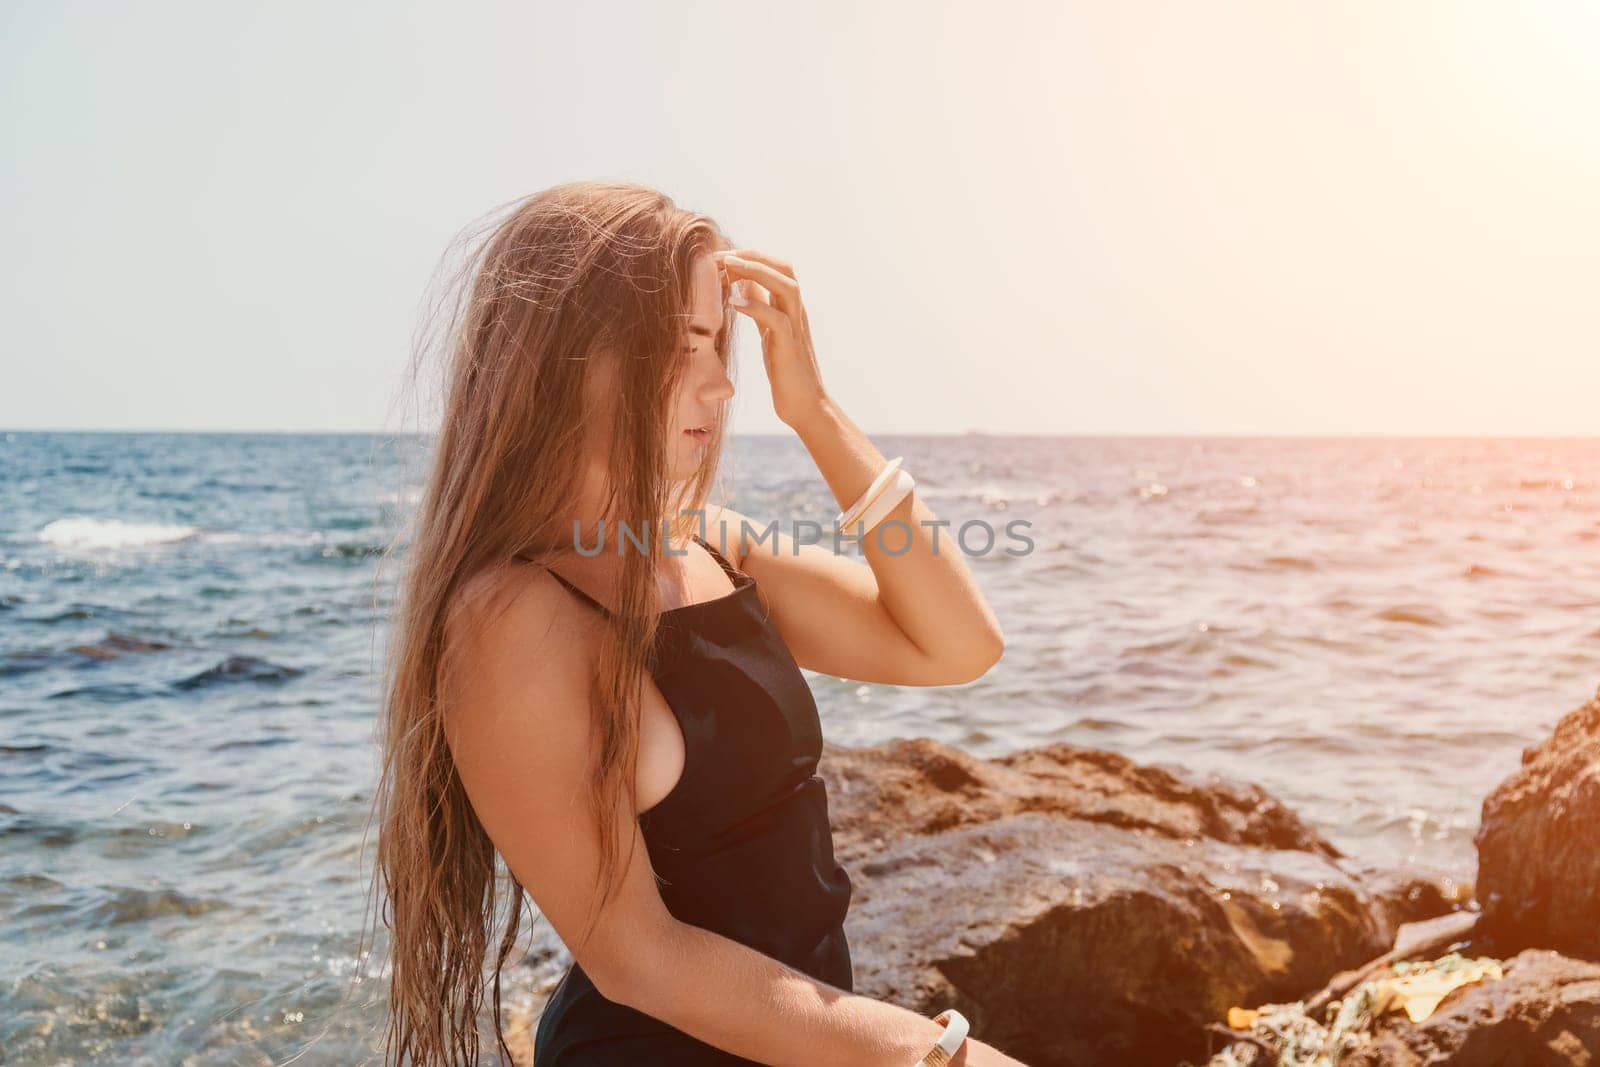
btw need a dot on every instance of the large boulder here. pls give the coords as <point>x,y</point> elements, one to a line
<point>1544,1012</point>
<point>1080,908</point>
<point>1539,845</point>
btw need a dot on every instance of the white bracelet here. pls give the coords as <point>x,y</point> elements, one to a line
<point>886,501</point>
<point>955,1032</point>
<point>848,517</point>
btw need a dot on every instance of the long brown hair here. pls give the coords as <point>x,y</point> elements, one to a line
<point>575,276</point>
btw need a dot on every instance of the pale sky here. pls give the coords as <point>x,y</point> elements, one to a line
<point>1112,217</point>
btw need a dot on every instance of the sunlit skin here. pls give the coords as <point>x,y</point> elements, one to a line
<point>706,385</point>
<point>523,739</point>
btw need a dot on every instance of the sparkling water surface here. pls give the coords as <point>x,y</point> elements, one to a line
<point>192,630</point>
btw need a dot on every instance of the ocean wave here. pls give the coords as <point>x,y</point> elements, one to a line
<point>85,533</point>
<point>110,693</point>
<point>999,493</point>
<point>77,612</point>
<point>410,496</point>
<point>127,904</point>
<point>1412,614</point>
<point>349,550</point>
<point>318,542</point>
<point>114,645</point>
<point>1560,485</point>
<point>90,534</point>
<point>1280,562</point>
<point>239,669</point>
<point>25,661</point>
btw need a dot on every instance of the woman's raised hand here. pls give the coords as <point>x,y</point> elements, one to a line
<point>771,297</point>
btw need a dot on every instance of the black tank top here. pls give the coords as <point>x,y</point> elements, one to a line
<point>742,845</point>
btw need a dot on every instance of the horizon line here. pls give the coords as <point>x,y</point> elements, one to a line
<point>1348,435</point>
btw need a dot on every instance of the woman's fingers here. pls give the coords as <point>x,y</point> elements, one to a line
<point>766,316</point>
<point>785,335</point>
<point>785,292</point>
<point>803,320</point>
<point>761,257</point>
<point>749,290</point>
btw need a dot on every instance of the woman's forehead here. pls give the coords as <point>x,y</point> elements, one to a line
<point>708,293</point>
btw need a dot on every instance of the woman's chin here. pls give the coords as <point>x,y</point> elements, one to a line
<point>688,463</point>
<point>690,453</point>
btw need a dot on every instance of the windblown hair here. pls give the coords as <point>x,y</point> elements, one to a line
<point>580,277</point>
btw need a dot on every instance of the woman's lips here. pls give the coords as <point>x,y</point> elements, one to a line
<point>701,435</point>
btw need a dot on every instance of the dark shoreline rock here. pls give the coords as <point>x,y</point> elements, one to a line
<point>1539,844</point>
<point>1545,1011</point>
<point>1081,908</point>
<point>1539,886</point>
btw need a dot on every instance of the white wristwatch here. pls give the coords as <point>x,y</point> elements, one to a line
<point>955,1032</point>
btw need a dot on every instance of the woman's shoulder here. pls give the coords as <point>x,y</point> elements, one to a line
<point>517,668</point>
<point>516,608</point>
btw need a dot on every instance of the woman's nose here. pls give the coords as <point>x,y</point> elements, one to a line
<point>722,387</point>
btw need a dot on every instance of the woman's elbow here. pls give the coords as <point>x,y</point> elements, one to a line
<point>634,978</point>
<point>968,668</point>
<point>992,651</point>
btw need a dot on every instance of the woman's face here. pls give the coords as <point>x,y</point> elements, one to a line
<point>705,384</point>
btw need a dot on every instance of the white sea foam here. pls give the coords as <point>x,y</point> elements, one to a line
<point>85,533</point>
<point>410,496</point>
<point>265,538</point>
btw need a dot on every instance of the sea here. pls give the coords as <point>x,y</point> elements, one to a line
<point>192,628</point>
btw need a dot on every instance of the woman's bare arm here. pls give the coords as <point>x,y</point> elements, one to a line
<point>914,615</point>
<point>834,613</point>
<point>521,736</point>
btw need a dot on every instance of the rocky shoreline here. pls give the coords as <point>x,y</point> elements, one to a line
<point>1084,909</point>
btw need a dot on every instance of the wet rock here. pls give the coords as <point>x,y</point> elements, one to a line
<point>1539,845</point>
<point>116,644</point>
<point>1081,908</point>
<point>236,669</point>
<point>1544,1011</point>
<point>1410,892</point>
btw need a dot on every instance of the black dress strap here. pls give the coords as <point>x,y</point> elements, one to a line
<point>727,568</point>
<point>580,594</point>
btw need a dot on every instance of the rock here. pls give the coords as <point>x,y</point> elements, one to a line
<point>116,644</point>
<point>237,669</point>
<point>1544,1011</point>
<point>1080,908</point>
<point>922,787</point>
<point>1410,892</point>
<point>1539,845</point>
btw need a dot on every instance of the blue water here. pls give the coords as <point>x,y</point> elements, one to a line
<point>192,628</point>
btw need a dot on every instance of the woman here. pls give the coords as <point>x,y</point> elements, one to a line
<point>629,728</point>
